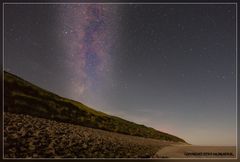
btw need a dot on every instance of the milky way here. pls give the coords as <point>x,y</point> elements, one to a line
<point>168,66</point>
<point>89,31</point>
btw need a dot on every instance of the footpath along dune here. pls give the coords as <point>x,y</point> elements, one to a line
<point>191,151</point>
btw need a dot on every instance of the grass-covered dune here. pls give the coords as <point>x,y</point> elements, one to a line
<point>22,97</point>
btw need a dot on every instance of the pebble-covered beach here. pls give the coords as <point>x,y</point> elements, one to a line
<point>31,137</point>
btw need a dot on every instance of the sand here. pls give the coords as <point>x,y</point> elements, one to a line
<point>191,151</point>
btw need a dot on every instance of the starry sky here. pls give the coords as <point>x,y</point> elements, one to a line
<point>168,66</point>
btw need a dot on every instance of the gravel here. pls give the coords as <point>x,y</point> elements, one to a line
<point>31,137</point>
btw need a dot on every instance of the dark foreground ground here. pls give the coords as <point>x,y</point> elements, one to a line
<point>30,137</point>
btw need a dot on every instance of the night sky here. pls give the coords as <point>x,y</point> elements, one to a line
<point>167,66</point>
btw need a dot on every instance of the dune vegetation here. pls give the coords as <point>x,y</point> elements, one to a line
<point>22,97</point>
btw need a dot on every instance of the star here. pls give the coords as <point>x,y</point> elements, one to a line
<point>139,74</point>
<point>209,71</point>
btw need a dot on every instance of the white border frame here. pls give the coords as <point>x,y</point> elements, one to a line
<point>124,3</point>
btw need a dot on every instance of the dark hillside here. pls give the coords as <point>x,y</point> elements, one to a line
<point>22,97</point>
